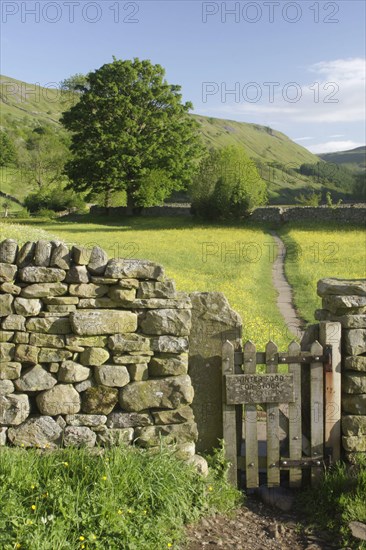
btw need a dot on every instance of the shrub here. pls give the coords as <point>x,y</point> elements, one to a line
<point>228,184</point>
<point>53,198</point>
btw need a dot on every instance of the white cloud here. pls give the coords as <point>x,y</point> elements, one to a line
<point>334,146</point>
<point>335,136</point>
<point>302,138</point>
<point>336,94</point>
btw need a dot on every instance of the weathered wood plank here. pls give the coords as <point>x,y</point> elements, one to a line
<point>317,411</point>
<point>259,388</point>
<point>295,432</point>
<point>273,440</point>
<point>330,334</point>
<point>228,414</point>
<point>250,419</point>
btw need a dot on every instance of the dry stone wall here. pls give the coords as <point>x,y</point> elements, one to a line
<point>345,301</point>
<point>93,351</point>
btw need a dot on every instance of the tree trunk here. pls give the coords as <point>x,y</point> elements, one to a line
<point>107,201</point>
<point>136,210</point>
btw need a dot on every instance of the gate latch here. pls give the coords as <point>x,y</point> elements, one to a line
<point>327,358</point>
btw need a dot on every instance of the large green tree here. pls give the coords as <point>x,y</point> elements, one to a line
<point>131,132</point>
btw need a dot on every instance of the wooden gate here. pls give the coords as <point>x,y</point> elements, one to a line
<point>263,412</point>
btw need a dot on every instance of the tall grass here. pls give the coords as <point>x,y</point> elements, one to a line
<point>123,498</point>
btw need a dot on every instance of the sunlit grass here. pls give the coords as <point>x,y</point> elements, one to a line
<point>315,252</point>
<point>120,499</point>
<point>230,259</point>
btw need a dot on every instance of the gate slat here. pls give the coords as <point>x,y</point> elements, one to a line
<point>273,439</point>
<point>294,413</point>
<point>317,412</point>
<point>250,415</point>
<point>229,414</point>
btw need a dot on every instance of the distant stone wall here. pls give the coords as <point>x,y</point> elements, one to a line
<point>345,213</point>
<point>345,301</point>
<point>166,210</point>
<point>93,351</point>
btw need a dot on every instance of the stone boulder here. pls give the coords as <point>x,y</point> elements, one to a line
<point>70,372</point>
<point>93,323</point>
<point>345,287</point>
<point>79,436</point>
<point>112,375</point>
<point>35,379</point>
<point>14,409</point>
<point>115,437</point>
<point>167,321</point>
<point>168,365</point>
<point>61,399</point>
<point>150,436</point>
<point>99,400</point>
<point>8,251</point>
<point>40,431</point>
<point>163,393</point>
<point>94,356</point>
<point>28,307</point>
<point>32,274</point>
<point>7,272</point>
<point>133,269</point>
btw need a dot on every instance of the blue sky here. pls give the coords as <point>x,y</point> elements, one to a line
<point>296,66</point>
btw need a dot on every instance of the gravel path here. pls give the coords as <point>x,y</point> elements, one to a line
<point>285,296</point>
<point>257,527</point>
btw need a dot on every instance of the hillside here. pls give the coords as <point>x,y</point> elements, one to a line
<point>26,106</point>
<point>353,159</point>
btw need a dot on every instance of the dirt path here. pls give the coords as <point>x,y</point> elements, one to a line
<point>257,527</point>
<point>285,302</point>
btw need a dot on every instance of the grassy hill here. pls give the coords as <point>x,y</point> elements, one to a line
<point>25,106</point>
<point>353,159</point>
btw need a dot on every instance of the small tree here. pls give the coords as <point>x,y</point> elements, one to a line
<point>8,155</point>
<point>227,185</point>
<point>309,199</point>
<point>75,83</point>
<point>6,206</point>
<point>131,132</point>
<point>44,158</point>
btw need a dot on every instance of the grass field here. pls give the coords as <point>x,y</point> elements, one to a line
<point>317,252</point>
<point>235,260</point>
<point>230,259</point>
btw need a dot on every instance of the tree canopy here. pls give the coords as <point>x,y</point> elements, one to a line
<point>131,132</point>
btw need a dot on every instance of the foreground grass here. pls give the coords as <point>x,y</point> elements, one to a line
<point>235,260</point>
<point>315,252</point>
<point>122,499</point>
<point>339,499</point>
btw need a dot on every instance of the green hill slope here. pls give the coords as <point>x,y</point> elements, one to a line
<point>26,106</point>
<point>354,159</point>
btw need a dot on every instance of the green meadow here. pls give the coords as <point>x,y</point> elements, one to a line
<point>233,259</point>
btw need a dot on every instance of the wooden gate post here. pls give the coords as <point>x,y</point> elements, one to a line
<point>229,415</point>
<point>330,334</point>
